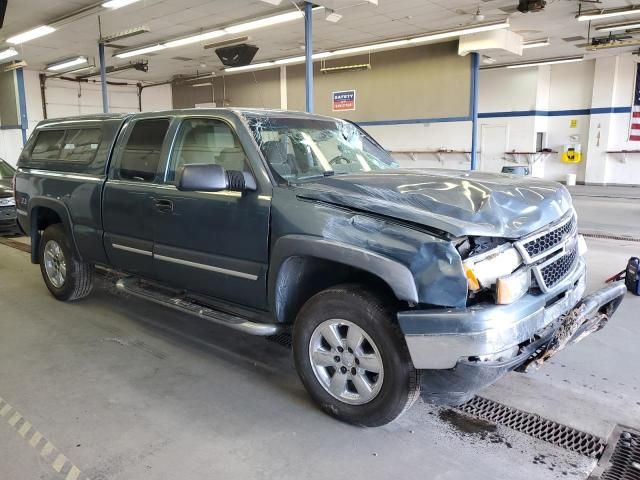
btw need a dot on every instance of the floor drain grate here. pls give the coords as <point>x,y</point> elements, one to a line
<point>621,460</point>
<point>535,426</point>
<point>606,236</point>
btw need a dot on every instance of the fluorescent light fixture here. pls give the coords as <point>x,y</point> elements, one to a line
<point>265,22</point>
<point>32,34</point>
<point>140,51</point>
<point>254,66</point>
<point>537,43</point>
<point>195,38</point>
<point>287,61</point>
<point>131,32</point>
<point>550,61</point>
<point>8,53</point>
<point>600,14</point>
<point>71,62</point>
<point>618,26</point>
<point>208,84</point>
<point>377,46</point>
<point>113,4</point>
<point>273,2</point>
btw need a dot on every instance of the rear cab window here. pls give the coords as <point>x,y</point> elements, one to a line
<point>74,146</point>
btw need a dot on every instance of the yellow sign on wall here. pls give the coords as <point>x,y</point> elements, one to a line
<point>574,123</point>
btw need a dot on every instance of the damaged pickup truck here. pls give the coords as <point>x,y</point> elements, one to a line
<point>390,281</point>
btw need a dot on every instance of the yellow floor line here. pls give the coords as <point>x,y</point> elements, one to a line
<point>58,461</point>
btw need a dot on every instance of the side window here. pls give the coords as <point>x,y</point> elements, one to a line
<point>48,145</point>
<point>81,145</point>
<point>206,141</point>
<point>142,152</point>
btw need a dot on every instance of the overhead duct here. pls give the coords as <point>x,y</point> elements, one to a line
<point>494,41</point>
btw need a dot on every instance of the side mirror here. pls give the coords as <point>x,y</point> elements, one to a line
<point>213,178</point>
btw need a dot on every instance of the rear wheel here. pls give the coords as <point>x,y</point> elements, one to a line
<point>352,357</point>
<point>66,277</point>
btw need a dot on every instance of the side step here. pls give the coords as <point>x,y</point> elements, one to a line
<point>137,288</point>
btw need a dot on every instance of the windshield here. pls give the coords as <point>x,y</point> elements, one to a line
<point>6,171</point>
<point>301,149</point>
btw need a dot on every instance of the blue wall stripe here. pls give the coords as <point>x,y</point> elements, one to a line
<point>516,113</point>
<point>414,120</point>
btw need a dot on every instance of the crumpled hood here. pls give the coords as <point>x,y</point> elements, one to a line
<point>457,202</point>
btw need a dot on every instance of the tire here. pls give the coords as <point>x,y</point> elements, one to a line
<point>77,279</point>
<point>349,306</point>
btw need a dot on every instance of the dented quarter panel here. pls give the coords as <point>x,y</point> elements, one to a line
<point>457,202</point>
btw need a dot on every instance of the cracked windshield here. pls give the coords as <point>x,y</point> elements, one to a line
<point>303,149</point>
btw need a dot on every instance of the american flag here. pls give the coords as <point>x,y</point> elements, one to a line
<point>634,129</point>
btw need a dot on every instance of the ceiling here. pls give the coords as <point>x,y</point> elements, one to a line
<point>362,23</point>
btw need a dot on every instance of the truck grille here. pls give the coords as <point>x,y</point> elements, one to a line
<point>544,243</point>
<point>557,270</point>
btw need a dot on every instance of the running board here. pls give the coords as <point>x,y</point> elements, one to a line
<point>173,300</point>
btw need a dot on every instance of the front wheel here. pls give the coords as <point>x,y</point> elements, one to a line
<point>352,357</point>
<point>66,277</point>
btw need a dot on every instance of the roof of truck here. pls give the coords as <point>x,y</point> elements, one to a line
<point>241,112</point>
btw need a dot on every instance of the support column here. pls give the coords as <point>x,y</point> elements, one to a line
<point>22,104</point>
<point>103,78</point>
<point>308,53</point>
<point>283,88</point>
<point>600,133</point>
<point>475,71</point>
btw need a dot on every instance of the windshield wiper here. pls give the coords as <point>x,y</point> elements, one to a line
<point>328,173</point>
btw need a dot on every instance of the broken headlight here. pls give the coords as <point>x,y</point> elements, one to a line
<point>498,269</point>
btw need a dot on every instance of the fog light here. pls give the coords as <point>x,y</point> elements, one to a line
<point>512,287</point>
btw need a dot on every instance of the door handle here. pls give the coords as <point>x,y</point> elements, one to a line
<point>164,206</point>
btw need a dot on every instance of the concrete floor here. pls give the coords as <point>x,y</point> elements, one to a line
<point>127,390</point>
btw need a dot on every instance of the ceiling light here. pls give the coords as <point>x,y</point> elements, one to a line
<point>599,14</point>
<point>618,26</point>
<point>265,22</point>
<point>537,43</point>
<point>376,46</point>
<point>551,61</point>
<point>333,16</point>
<point>273,2</point>
<point>195,38</point>
<point>140,51</point>
<point>131,32</point>
<point>224,43</point>
<point>8,53</point>
<point>31,34</point>
<point>70,62</point>
<point>255,66</point>
<point>207,84</point>
<point>113,4</point>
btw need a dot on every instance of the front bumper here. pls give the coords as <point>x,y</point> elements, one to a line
<point>465,350</point>
<point>8,218</point>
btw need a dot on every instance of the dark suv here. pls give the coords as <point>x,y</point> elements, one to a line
<point>7,202</point>
<point>390,280</point>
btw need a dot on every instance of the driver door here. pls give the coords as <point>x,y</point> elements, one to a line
<point>214,244</point>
